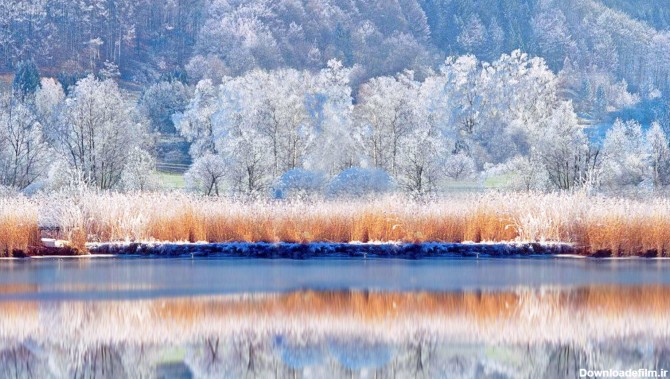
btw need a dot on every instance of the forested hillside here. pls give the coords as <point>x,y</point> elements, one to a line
<point>408,94</point>
<point>147,38</point>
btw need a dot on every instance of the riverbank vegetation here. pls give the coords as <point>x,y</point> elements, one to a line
<point>272,119</point>
<point>19,231</point>
<point>594,224</point>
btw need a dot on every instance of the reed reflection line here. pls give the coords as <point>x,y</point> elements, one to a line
<point>524,315</point>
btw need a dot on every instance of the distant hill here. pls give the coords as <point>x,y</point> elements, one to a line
<point>603,42</point>
<point>654,12</point>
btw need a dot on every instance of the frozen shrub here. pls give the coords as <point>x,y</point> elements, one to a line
<point>521,174</point>
<point>357,182</point>
<point>206,67</point>
<point>299,183</point>
<point>207,174</point>
<point>625,156</point>
<point>138,175</point>
<point>459,166</point>
<point>160,101</point>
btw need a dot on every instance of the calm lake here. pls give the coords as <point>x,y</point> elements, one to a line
<point>332,318</point>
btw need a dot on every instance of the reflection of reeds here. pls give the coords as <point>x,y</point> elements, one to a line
<point>519,316</point>
<point>594,224</point>
<point>371,306</point>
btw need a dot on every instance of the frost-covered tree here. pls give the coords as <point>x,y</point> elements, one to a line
<point>552,31</point>
<point>99,129</point>
<point>49,100</point>
<point>459,166</point>
<point>517,95</point>
<point>423,153</point>
<point>387,113</point>
<point>109,70</point>
<point>330,111</point>
<point>195,123</point>
<point>23,150</point>
<point>281,116</point>
<point>454,95</point>
<point>265,123</point>
<point>251,170</point>
<point>139,171</point>
<point>268,110</point>
<point>207,175</point>
<point>659,155</point>
<point>473,34</point>
<point>625,155</point>
<point>422,163</point>
<point>161,101</point>
<point>562,147</point>
<point>481,106</point>
<point>206,67</point>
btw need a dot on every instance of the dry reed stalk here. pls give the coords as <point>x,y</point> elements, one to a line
<point>593,224</point>
<point>19,232</point>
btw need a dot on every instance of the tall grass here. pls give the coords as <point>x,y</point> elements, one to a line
<point>591,223</point>
<point>180,217</point>
<point>19,232</point>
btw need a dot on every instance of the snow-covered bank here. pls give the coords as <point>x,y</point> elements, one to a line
<point>513,223</point>
<point>331,250</point>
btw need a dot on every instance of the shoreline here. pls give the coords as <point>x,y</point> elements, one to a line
<point>325,250</point>
<point>593,226</point>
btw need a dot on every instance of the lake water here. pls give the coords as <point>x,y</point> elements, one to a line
<point>332,318</point>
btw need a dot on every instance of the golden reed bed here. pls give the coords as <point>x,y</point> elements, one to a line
<point>519,316</point>
<point>593,224</point>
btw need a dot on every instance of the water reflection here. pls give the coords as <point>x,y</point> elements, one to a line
<point>545,332</point>
<point>112,278</point>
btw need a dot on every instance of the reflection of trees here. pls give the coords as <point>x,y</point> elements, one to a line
<point>33,360</point>
<point>241,355</point>
<point>429,359</point>
<point>564,362</point>
<point>17,362</point>
<point>213,350</point>
<point>139,360</point>
<point>101,361</point>
<point>250,354</point>
<point>344,334</point>
<point>662,358</point>
<point>207,360</point>
<point>424,348</point>
<point>247,347</point>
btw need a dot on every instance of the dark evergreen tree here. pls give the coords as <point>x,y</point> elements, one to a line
<point>26,79</point>
<point>69,79</point>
